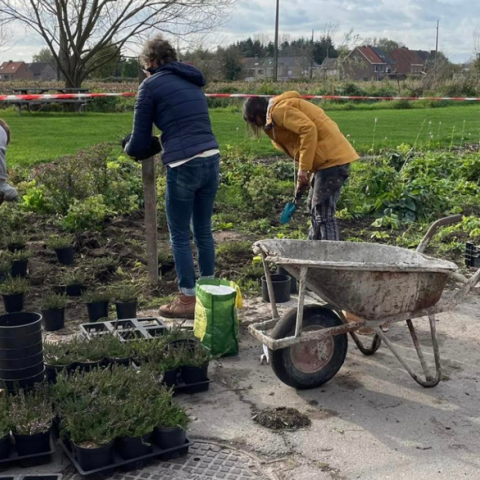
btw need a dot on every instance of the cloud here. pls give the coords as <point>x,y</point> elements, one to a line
<point>412,22</point>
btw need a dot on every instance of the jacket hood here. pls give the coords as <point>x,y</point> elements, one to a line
<point>188,72</point>
<point>275,101</point>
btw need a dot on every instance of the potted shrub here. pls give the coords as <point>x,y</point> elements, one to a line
<point>5,427</point>
<point>72,283</point>
<point>63,246</point>
<point>58,357</point>
<point>106,264</point>
<point>13,291</point>
<point>194,364</point>
<point>126,297</point>
<point>89,354</point>
<point>16,242</point>
<point>115,351</point>
<point>5,267</point>
<point>97,304</point>
<point>20,263</point>
<point>31,415</point>
<point>171,426</point>
<point>53,312</point>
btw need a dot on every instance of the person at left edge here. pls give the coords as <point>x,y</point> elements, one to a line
<point>171,97</point>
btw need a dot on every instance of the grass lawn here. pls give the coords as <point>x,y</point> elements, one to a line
<point>40,137</point>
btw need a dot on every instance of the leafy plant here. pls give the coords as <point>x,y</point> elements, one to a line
<point>31,412</point>
<point>172,416</point>
<point>126,293</point>
<point>58,354</point>
<point>73,277</point>
<point>113,347</point>
<point>108,263</point>
<point>21,255</point>
<point>97,296</point>
<point>88,214</point>
<point>14,286</point>
<point>56,242</point>
<point>5,264</point>
<point>54,302</point>
<point>16,241</point>
<point>195,357</point>
<point>5,420</point>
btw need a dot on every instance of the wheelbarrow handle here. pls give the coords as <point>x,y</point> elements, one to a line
<point>442,222</point>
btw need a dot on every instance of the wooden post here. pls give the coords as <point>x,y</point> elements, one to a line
<point>150,197</point>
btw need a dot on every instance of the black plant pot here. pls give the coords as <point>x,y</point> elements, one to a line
<point>170,378</point>
<point>89,366</point>
<point>134,447</point>
<point>13,303</point>
<point>281,288</point>
<point>75,290</point>
<point>19,268</point>
<point>96,311</point>
<point>32,444</point>
<point>126,310</point>
<point>15,248</point>
<point>192,374</point>
<point>171,437</point>
<point>293,280</point>
<point>53,320</point>
<point>125,362</point>
<point>5,447</point>
<point>94,458</point>
<point>53,371</point>
<point>65,255</point>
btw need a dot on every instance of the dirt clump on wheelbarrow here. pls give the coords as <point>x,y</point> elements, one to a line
<point>282,418</point>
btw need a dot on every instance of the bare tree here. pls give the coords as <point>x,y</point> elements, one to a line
<point>6,35</point>
<point>77,31</point>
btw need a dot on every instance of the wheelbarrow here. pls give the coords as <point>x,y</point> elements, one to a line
<point>380,284</point>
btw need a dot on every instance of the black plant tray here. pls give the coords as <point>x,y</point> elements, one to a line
<point>27,460</point>
<point>472,255</point>
<point>127,329</point>
<point>131,464</point>
<point>191,388</point>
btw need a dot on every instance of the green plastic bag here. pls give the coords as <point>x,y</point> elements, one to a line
<point>216,321</point>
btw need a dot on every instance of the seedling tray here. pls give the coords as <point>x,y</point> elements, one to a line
<point>472,255</point>
<point>27,460</point>
<point>131,464</point>
<point>128,329</point>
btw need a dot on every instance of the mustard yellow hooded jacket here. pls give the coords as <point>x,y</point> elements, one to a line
<point>304,132</point>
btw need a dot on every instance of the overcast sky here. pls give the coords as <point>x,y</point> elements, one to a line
<point>412,22</point>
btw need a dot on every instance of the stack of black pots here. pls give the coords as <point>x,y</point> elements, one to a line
<point>21,351</point>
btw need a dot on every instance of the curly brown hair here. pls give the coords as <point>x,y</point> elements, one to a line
<point>158,49</point>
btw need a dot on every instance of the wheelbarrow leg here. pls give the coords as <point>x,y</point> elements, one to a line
<point>368,351</point>
<point>271,293</point>
<point>429,381</point>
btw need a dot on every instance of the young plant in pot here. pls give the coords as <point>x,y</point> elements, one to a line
<point>72,283</point>
<point>89,425</point>
<point>90,354</point>
<point>105,267</point>
<point>126,297</point>
<point>31,415</point>
<point>5,427</point>
<point>16,242</point>
<point>97,303</point>
<point>53,312</point>
<point>58,357</point>
<point>63,246</point>
<point>171,423</point>
<point>20,263</point>
<point>194,364</point>
<point>13,291</point>
<point>5,267</point>
<point>115,351</point>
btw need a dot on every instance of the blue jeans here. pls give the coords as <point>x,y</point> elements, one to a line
<point>191,191</point>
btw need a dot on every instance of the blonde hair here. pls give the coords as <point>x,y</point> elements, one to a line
<point>7,130</point>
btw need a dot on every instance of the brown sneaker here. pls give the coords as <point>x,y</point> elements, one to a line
<point>181,307</point>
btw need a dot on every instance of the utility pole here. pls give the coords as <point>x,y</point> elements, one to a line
<point>275,61</point>
<point>312,55</point>
<point>438,33</point>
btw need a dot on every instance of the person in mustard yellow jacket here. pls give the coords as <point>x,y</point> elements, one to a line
<point>305,133</point>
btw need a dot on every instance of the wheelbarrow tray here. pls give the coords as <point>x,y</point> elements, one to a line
<point>371,281</point>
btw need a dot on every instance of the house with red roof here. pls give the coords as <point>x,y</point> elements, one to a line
<point>408,62</point>
<point>10,71</point>
<point>368,63</point>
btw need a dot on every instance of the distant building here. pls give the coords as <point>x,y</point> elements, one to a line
<point>330,68</point>
<point>43,71</point>
<point>368,63</point>
<point>10,71</point>
<point>408,62</point>
<point>289,68</point>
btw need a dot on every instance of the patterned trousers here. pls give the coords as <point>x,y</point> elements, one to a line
<point>325,192</point>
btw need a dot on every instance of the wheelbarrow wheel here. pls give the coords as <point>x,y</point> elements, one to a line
<point>311,364</point>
